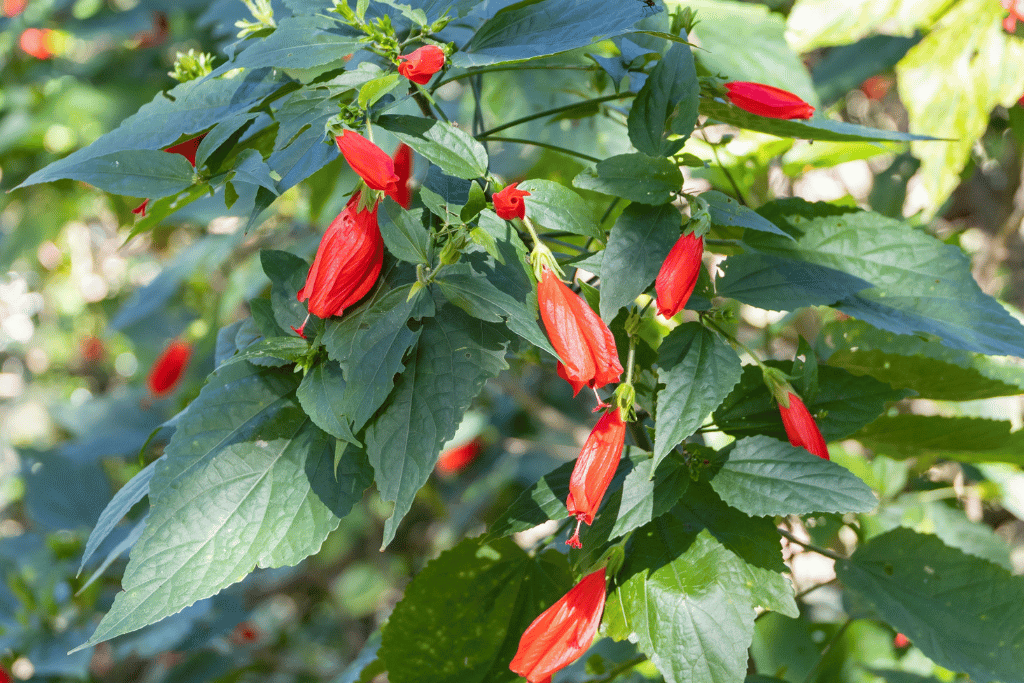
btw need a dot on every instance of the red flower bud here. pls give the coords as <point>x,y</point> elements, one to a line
<point>369,161</point>
<point>594,470</point>
<point>186,149</point>
<point>508,203</point>
<point>800,427</point>
<point>766,100</point>
<point>419,65</point>
<point>403,169</point>
<point>678,274</point>
<point>347,262</point>
<point>900,641</point>
<point>562,632</point>
<point>580,337</point>
<point>169,367</point>
<point>456,459</point>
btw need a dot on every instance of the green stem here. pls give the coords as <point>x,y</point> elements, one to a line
<point>490,69</point>
<point>812,674</point>
<point>732,181</point>
<point>810,546</point>
<point>535,143</point>
<point>556,110</point>
<point>620,669</point>
<point>736,343</point>
<point>629,359</point>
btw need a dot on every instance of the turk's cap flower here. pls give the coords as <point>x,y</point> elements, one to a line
<point>594,470</point>
<point>369,161</point>
<point>420,64</point>
<point>767,100</point>
<point>403,169</point>
<point>509,204</point>
<point>678,275</point>
<point>169,367</point>
<point>562,632</point>
<point>454,460</point>
<point>801,429</point>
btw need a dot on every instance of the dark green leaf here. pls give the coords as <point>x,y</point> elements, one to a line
<point>636,177</point>
<point>844,403</point>
<point>543,501</point>
<point>247,481</point>
<point>698,370</point>
<point>637,246</point>
<point>301,147</point>
<point>921,284</point>
<point>124,500</point>
<point>454,358</point>
<point>403,232</point>
<point>963,612</point>
<point>669,96</point>
<point>556,207</point>
<point>781,284</point>
<point>845,67</point>
<point>725,210</point>
<point>299,42</point>
<point>474,601</point>
<point>138,173</point>
<point>765,476</point>
<point>454,151</point>
<point>931,369</point>
<point>287,273</point>
<point>320,395</point>
<point>286,349</point>
<point>963,439</point>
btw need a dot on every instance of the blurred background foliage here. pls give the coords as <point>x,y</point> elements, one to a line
<point>84,313</point>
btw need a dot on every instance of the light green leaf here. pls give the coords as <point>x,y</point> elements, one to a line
<point>556,207</point>
<point>636,177</point>
<point>453,150</point>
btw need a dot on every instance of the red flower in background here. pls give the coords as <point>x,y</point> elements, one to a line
<point>801,428</point>
<point>186,149</point>
<point>36,42</point>
<point>369,161</point>
<point>580,337</point>
<point>457,459</point>
<point>403,169</point>
<point>1016,10</point>
<point>900,641</point>
<point>419,65</point>
<point>347,262</point>
<point>678,274</point>
<point>562,632</point>
<point>594,470</point>
<point>508,203</point>
<point>169,367</point>
<point>766,100</point>
<point>12,8</point>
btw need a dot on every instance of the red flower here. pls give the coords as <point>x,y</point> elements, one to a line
<point>347,262</point>
<point>419,65</point>
<point>1016,10</point>
<point>456,459</point>
<point>508,203</point>
<point>562,632</point>
<point>594,470</point>
<point>580,337</point>
<point>186,149</point>
<point>765,100</point>
<point>36,42</point>
<point>12,8</point>
<point>369,161</point>
<point>800,427</point>
<point>169,367</point>
<point>900,641</point>
<point>678,274</point>
<point>403,169</point>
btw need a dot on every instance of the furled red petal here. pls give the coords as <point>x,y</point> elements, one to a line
<point>169,367</point>
<point>562,632</point>
<point>596,466</point>
<point>678,274</point>
<point>419,65</point>
<point>369,161</point>
<point>347,262</point>
<point>800,427</point>
<point>456,459</point>
<point>509,204</point>
<point>767,100</point>
<point>607,368</point>
<point>403,169</point>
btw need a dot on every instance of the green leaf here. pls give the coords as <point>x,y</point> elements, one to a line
<point>637,246</point>
<point>371,344</point>
<point>985,59</point>
<point>371,91</point>
<point>636,177</point>
<point>964,439</point>
<point>247,481</point>
<point>963,612</point>
<point>286,349</point>
<point>298,42</point>
<point>495,588</point>
<point>139,173</point>
<point>454,358</point>
<point>780,284</point>
<point>669,96</point>
<point>526,30</point>
<point>908,362</point>
<point>765,476</point>
<point>818,23</point>
<point>287,273</point>
<point>921,284</point>
<point>301,147</point>
<point>454,151</point>
<point>680,583</point>
<point>816,128</point>
<point>474,293</point>
<point>556,207</point>
<point>725,210</point>
<point>699,370</point>
<point>747,42</point>
<point>403,232</point>
<point>844,68</point>
<point>543,501</point>
<point>843,404</point>
<point>320,395</point>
